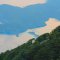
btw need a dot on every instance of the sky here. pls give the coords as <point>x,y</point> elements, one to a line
<point>8,42</point>
<point>15,20</point>
<point>22,3</point>
<point>21,20</point>
<point>51,24</point>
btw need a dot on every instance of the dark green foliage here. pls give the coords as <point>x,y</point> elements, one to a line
<point>45,47</point>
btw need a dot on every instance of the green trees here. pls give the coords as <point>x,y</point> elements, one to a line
<point>45,47</point>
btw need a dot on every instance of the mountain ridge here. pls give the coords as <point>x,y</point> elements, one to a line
<point>35,50</point>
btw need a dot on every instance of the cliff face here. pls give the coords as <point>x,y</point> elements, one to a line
<point>45,47</point>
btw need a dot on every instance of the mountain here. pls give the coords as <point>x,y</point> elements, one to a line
<point>45,47</point>
<point>16,20</point>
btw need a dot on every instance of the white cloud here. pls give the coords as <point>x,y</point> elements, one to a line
<point>8,42</point>
<point>22,3</point>
<point>51,24</point>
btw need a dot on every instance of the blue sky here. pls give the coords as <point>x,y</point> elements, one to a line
<point>27,21</point>
<point>16,20</point>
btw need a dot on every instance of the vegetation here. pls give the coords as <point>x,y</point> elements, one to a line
<point>45,47</point>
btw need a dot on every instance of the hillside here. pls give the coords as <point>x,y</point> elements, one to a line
<point>45,47</point>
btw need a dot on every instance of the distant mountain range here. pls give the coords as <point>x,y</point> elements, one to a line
<point>45,47</point>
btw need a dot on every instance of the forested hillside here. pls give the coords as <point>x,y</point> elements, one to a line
<point>45,47</point>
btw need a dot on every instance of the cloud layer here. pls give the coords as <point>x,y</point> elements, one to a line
<point>8,42</point>
<point>51,24</point>
<point>22,3</point>
<point>17,20</point>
